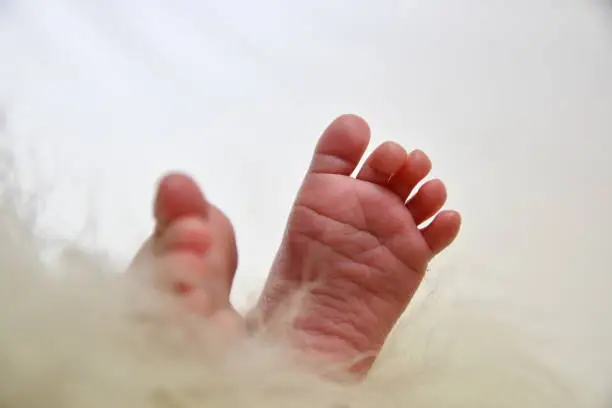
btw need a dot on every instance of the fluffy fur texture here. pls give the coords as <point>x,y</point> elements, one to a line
<point>74,333</point>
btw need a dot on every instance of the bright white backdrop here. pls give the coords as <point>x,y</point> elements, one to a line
<point>513,101</point>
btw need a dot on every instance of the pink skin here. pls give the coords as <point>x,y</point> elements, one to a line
<point>194,247</point>
<point>357,238</point>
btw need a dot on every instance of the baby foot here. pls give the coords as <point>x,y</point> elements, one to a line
<point>194,250</point>
<point>359,240</point>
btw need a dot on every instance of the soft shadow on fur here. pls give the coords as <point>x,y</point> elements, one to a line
<point>76,333</point>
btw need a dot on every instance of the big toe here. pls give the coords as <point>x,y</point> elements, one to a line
<point>181,249</point>
<point>197,259</point>
<point>193,244</point>
<point>341,146</point>
<point>177,196</point>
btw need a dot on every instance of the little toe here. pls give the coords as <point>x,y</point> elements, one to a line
<point>427,201</point>
<point>416,167</point>
<point>341,146</point>
<point>442,231</point>
<point>383,163</point>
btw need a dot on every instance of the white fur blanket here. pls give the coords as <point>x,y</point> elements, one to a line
<point>74,333</point>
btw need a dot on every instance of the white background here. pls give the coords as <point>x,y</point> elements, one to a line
<point>512,100</point>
